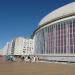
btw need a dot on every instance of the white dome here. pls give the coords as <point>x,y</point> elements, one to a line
<point>62,11</point>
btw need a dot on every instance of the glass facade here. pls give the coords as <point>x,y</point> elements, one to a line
<point>58,38</point>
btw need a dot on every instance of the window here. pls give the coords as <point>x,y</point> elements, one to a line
<point>70,36</point>
<point>61,49</point>
<point>74,41</point>
<point>61,42</point>
<point>74,49</point>
<point>58,42</point>
<point>70,30</point>
<point>58,26</point>
<point>74,29</point>
<point>61,25</point>
<point>64,49</point>
<point>73,22</point>
<point>58,49</point>
<point>64,31</point>
<point>70,22</point>
<point>61,37</point>
<point>23,51</point>
<point>71,42</point>
<point>61,32</point>
<point>64,42</point>
<point>71,49</point>
<point>64,25</point>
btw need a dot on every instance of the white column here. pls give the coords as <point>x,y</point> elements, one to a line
<point>72,36</point>
<point>63,37</point>
<point>54,32</point>
<point>60,37</point>
<point>66,38</point>
<point>69,37</point>
<point>57,39</point>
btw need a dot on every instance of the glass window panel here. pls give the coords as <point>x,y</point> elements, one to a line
<point>70,25</point>
<point>58,32</point>
<point>64,31</point>
<point>48,30</point>
<point>71,42</point>
<point>61,33</point>
<point>73,22</point>
<point>58,49</point>
<point>64,36</point>
<point>64,43</point>
<point>70,30</point>
<point>74,25</point>
<point>74,41</point>
<point>70,22</point>
<point>61,49</point>
<point>71,49</point>
<point>58,26</point>
<point>74,29</point>
<point>74,49</point>
<point>58,37</point>
<point>61,37</point>
<point>64,49</point>
<point>61,42</point>
<point>58,42</point>
<point>70,36</point>
<point>64,25</point>
<point>74,35</point>
<point>51,50</point>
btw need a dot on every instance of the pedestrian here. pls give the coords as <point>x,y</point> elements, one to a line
<point>14,59</point>
<point>33,59</point>
<point>27,59</point>
<point>22,58</point>
<point>36,59</point>
<point>11,58</point>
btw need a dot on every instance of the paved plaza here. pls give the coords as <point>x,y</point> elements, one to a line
<point>22,68</point>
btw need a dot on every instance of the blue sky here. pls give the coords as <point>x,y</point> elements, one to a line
<point>21,17</point>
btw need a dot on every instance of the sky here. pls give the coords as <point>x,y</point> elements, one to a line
<point>21,17</point>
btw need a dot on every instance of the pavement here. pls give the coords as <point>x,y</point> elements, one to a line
<point>22,68</point>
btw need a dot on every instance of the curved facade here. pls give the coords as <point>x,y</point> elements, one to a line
<point>56,34</point>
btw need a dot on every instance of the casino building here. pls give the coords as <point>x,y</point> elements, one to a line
<point>54,38</point>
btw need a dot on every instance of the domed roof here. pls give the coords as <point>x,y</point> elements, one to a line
<point>62,11</point>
